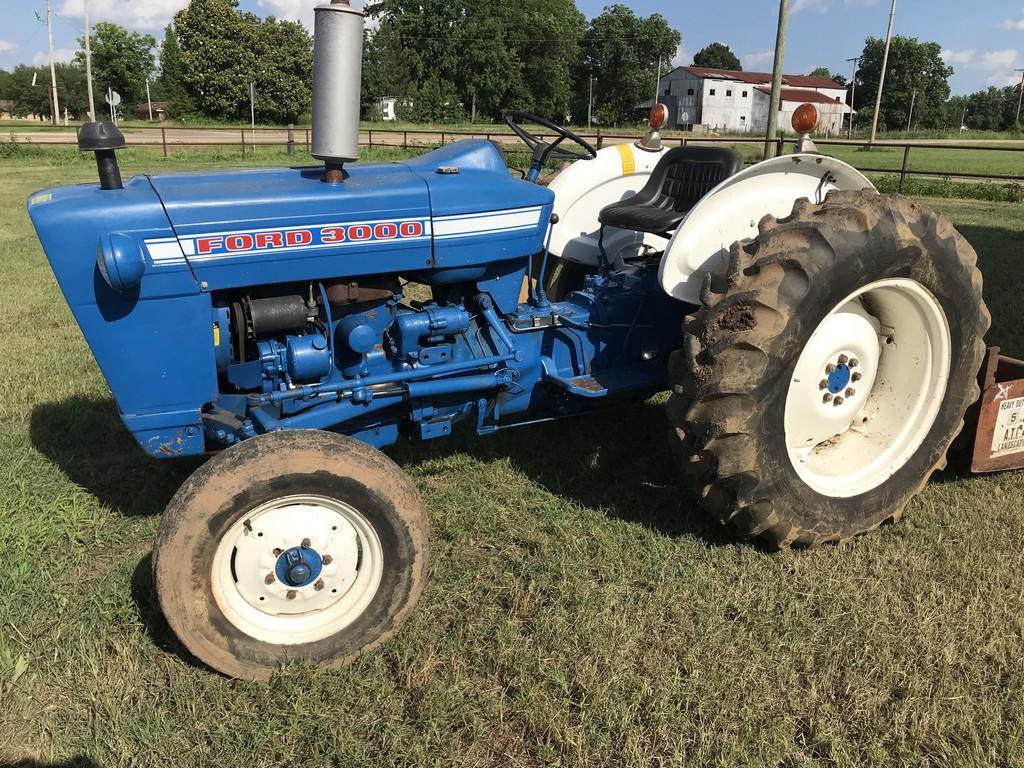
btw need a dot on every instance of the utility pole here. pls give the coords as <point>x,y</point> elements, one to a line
<point>776,99</point>
<point>881,77</point>
<point>149,100</point>
<point>88,62</point>
<point>55,107</point>
<point>910,118</point>
<point>1020,97</point>
<point>853,94</point>
<point>590,104</point>
<point>657,86</point>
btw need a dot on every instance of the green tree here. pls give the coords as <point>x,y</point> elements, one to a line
<point>34,100</point>
<point>913,67</point>
<point>824,72</point>
<point>171,83</point>
<point>717,56</point>
<point>223,50</point>
<point>6,80</point>
<point>621,52</point>
<point>121,60</point>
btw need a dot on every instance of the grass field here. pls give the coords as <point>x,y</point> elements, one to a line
<point>579,612</point>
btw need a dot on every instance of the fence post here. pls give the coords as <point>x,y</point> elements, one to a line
<point>291,138</point>
<point>442,138</point>
<point>405,139</point>
<point>309,147</point>
<point>906,163</point>
<point>370,144</point>
<point>243,142</point>
<point>780,150</point>
<point>600,138</point>
<point>163,140</point>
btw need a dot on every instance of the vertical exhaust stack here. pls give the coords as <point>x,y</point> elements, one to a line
<point>337,79</point>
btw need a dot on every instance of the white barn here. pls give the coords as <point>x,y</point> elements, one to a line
<point>726,100</point>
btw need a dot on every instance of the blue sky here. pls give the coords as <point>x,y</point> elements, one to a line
<point>983,40</point>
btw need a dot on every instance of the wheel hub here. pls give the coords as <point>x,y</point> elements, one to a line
<point>839,379</point>
<point>298,566</point>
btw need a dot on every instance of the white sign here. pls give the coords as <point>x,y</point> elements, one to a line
<point>113,97</point>
<point>1009,435</point>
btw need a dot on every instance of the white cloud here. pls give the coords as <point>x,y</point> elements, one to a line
<point>59,55</point>
<point>7,45</point>
<point>1014,24</point>
<point>818,6</point>
<point>957,57</point>
<point>1004,79</point>
<point>993,60</point>
<point>757,59</point>
<point>683,57</point>
<point>143,15</point>
<point>823,6</point>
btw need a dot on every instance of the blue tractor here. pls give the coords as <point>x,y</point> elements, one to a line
<point>821,344</point>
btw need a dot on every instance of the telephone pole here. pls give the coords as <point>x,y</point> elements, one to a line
<point>913,100</point>
<point>55,107</point>
<point>88,62</point>
<point>881,77</point>
<point>853,94</point>
<point>776,98</point>
<point>1020,97</point>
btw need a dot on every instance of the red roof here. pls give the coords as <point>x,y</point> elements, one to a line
<point>802,96</point>
<point>763,78</point>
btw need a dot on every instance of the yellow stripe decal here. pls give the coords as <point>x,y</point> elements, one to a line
<point>628,163</point>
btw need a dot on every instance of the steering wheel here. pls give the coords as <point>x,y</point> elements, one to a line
<point>542,151</point>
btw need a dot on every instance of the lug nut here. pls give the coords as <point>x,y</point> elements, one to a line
<point>268,579</point>
<point>277,551</point>
<point>854,362</point>
<point>838,401</point>
<point>830,368</point>
<point>843,359</point>
<point>319,585</point>
<point>291,594</point>
<point>857,377</point>
<point>305,543</point>
<point>827,398</point>
<point>823,384</point>
<point>851,392</point>
<point>327,560</point>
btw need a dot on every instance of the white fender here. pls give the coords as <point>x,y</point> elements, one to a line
<point>587,186</point>
<point>732,210</point>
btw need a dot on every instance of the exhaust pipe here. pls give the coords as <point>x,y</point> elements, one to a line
<point>337,79</point>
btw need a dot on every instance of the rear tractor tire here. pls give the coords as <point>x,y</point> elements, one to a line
<point>291,546</point>
<point>823,381</point>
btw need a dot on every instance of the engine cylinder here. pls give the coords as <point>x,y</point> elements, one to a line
<point>337,75</point>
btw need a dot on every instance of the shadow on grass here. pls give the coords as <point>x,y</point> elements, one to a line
<point>85,438</point>
<point>617,460</point>
<point>75,762</point>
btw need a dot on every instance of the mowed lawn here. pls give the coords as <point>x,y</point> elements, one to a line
<point>579,611</point>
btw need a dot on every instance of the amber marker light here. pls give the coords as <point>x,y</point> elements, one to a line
<point>805,118</point>
<point>658,117</point>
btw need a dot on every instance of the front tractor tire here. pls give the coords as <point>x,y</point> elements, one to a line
<point>291,546</point>
<point>827,374</point>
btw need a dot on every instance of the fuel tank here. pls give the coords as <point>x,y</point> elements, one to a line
<point>454,207</point>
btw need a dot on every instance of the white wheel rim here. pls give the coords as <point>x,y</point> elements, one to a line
<point>848,431</point>
<point>275,610</point>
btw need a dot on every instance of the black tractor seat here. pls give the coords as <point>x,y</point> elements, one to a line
<point>681,178</point>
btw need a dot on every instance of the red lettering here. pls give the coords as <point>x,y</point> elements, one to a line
<point>239,242</point>
<point>269,240</point>
<point>299,237</point>
<point>411,228</point>
<point>385,231</point>
<point>359,232</point>
<point>208,244</point>
<point>332,234</point>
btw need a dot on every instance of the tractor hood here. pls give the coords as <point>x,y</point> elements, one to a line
<point>262,226</point>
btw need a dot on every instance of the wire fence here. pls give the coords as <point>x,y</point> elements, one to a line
<point>248,140</point>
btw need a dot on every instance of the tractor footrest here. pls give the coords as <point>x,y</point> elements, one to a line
<point>643,376</point>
